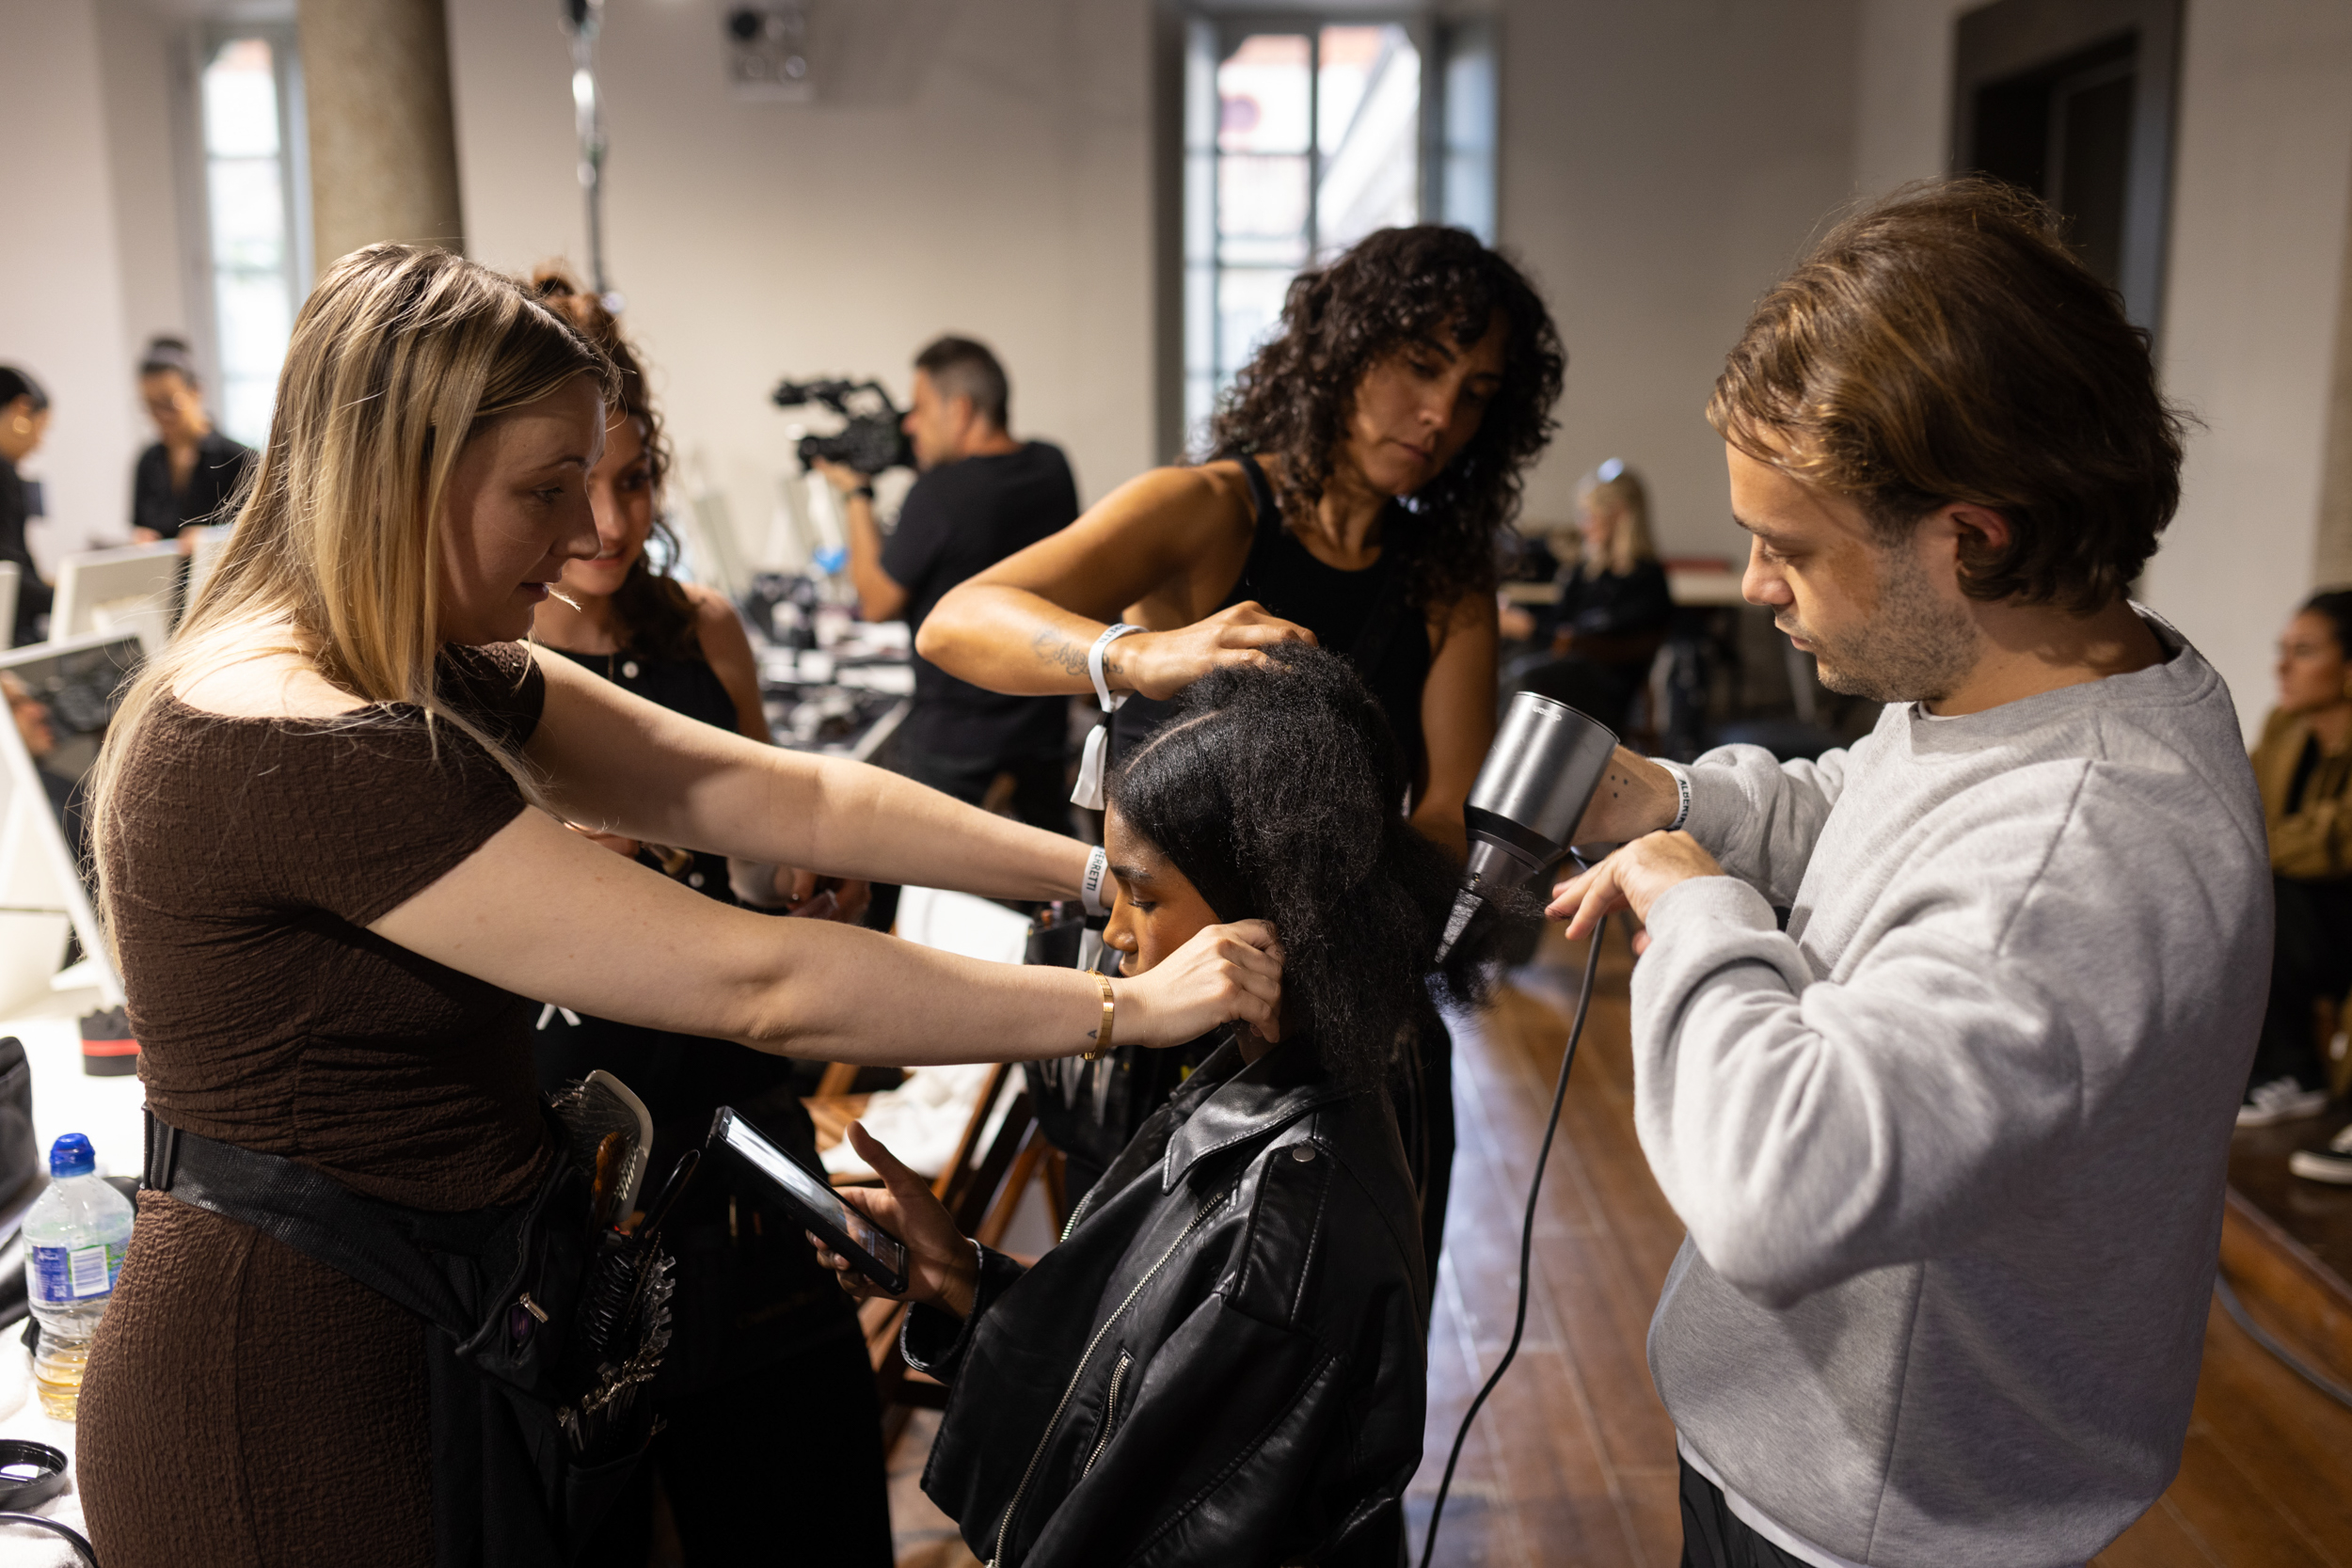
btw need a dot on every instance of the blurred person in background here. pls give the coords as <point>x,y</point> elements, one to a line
<point>24,419</point>
<point>2303,764</point>
<point>191,474</point>
<point>759,1324</point>
<point>1597,643</point>
<point>1361,472</point>
<point>982,495</point>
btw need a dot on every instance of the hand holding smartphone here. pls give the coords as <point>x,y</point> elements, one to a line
<point>943,1266</point>
<point>871,1250</point>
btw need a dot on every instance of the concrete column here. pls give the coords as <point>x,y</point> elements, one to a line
<point>383,142</point>
<point>2332,555</point>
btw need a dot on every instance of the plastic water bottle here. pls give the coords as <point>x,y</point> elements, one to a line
<point>75,1238</point>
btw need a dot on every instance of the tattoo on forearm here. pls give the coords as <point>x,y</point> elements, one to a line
<point>1054,648</point>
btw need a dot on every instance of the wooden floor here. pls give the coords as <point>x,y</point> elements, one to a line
<point>2316,1214</point>
<point>1573,1461</point>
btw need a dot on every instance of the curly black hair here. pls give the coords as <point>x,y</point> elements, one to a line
<point>1396,287</point>
<point>1276,790</point>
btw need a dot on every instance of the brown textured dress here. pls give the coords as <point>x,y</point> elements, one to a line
<point>245,1405</point>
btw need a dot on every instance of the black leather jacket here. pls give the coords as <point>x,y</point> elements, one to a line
<point>1222,1363</point>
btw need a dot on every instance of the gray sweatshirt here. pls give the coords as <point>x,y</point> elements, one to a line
<point>1951,1150</point>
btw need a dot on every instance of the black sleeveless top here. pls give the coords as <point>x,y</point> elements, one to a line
<point>1361,615</point>
<point>749,1294</point>
<point>687,686</point>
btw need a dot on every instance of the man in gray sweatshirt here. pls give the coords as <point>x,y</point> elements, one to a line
<point>1949,1139</point>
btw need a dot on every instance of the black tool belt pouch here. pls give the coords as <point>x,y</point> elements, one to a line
<point>515,1485</point>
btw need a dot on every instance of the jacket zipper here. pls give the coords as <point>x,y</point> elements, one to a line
<point>1080,1212</point>
<point>1111,1412</point>
<point>1003,1530</point>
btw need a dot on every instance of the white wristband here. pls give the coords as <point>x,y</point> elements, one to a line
<point>1682,783</point>
<point>1111,634</point>
<point>1095,761</point>
<point>1090,891</point>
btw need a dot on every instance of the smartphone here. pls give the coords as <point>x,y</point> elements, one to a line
<point>872,1251</point>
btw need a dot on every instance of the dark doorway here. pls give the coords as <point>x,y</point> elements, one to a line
<point>2073,99</point>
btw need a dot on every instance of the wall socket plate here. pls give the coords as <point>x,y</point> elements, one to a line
<point>766,44</point>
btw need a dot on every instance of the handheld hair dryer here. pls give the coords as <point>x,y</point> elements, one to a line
<point>1538,777</point>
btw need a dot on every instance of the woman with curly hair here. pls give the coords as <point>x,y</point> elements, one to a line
<point>1359,474</point>
<point>757,1331</point>
<point>1223,1361</point>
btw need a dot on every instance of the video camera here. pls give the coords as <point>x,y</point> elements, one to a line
<point>870,442</point>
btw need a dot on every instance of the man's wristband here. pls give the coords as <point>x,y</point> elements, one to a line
<point>864,493</point>
<point>1682,786</point>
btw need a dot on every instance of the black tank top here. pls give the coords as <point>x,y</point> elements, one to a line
<point>1361,615</point>
<point>748,1294</point>
<point>687,686</point>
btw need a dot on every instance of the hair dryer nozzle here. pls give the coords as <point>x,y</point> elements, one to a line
<point>1538,777</point>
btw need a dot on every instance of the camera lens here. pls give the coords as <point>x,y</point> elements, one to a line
<point>746,24</point>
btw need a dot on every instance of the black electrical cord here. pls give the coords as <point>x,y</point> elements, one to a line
<point>1527,1236</point>
<point>2294,1364</point>
<point>73,1537</point>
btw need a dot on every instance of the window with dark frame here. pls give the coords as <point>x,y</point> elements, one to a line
<point>255,240</point>
<point>1300,138</point>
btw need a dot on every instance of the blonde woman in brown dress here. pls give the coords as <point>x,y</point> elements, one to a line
<point>332,837</point>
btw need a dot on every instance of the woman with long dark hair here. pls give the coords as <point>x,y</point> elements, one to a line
<point>1223,1360</point>
<point>758,1332</point>
<point>1361,472</point>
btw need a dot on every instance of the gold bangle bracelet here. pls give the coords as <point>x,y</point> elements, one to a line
<point>1110,1016</point>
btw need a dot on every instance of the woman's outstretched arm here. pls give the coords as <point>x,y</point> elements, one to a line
<point>540,911</point>
<point>1163,548</point>
<point>617,763</point>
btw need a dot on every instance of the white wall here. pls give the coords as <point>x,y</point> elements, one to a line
<point>144,64</point>
<point>2258,236</point>
<point>1663,165</point>
<point>61,314</point>
<point>990,172</point>
<point>2262,183</point>
<point>95,90</point>
<point>980,166</point>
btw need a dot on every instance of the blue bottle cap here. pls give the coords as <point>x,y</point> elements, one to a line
<point>72,1155</point>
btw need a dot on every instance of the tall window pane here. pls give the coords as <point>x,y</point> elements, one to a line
<point>245,189</point>
<point>1299,142</point>
<point>1368,135</point>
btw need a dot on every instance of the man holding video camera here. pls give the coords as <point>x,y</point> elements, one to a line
<point>1939,1040</point>
<point>981,496</point>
